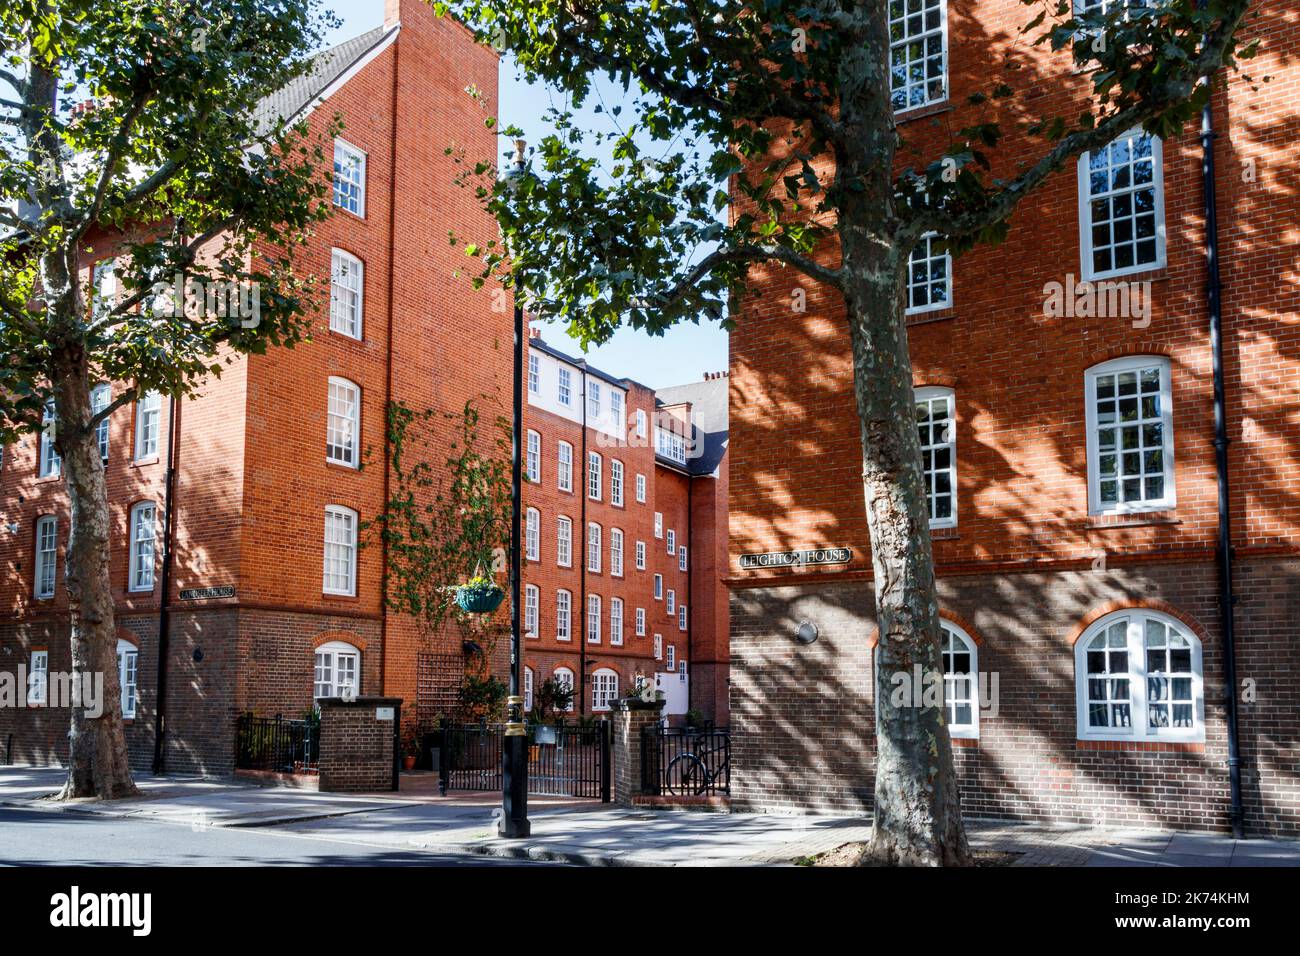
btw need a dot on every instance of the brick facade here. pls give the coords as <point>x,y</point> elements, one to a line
<point>1027,564</point>
<point>356,747</point>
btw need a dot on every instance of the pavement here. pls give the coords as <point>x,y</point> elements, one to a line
<point>594,834</point>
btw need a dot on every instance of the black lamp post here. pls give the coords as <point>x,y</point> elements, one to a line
<point>514,748</point>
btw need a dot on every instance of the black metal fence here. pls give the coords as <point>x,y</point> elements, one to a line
<point>685,761</point>
<point>563,760</point>
<point>273,743</point>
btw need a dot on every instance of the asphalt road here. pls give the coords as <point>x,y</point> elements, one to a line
<point>44,838</point>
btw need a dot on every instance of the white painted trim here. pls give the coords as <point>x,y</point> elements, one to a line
<point>1085,214</point>
<point>1170,500</point>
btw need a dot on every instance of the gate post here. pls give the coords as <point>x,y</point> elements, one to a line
<point>631,716</point>
<point>444,759</point>
<point>606,755</point>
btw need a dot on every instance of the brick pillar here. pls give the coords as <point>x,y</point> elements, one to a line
<point>357,744</point>
<point>630,717</point>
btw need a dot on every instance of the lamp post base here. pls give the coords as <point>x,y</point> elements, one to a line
<point>514,817</point>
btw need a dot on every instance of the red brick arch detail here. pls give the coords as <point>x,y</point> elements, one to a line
<point>934,380</point>
<point>1155,349</point>
<point>873,632</point>
<point>129,636</point>
<point>347,637</point>
<point>1138,604</point>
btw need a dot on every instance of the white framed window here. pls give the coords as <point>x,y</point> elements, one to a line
<point>604,689</point>
<point>564,542</point>
<point>929,276</point>
<point>349,178</point>
<point>593,547</point>
<point>103,288</point>
<point>671,663</point>
<point>1138,677</point>
<point>640,622</point>
<point>1122,207</point>
<point>640,489</point>
<point>50,464</point>
<point>616,622</point>
<point>616,552</point>
<point>672,602</point>
<point>563,615</point>
<point>148,422</point>
<point>593,476</point>
<point>532,534</point>
<point>1130,422</point>
<point>659,647</point>
<point>533,457</point>
<point>593,401</point>
<point>671,443</point>
<point>534,373</point>
<point>528,688</point>
<point>343,423</point>
<point>563,677</point>
<point>564,467</point>
<point>960,681</point>
<point>615,482</point>
<point>640,555</point>
<point>659,587</point>
<point>143,544</point>
<point>593,618</point>
<point>347,294</point>
<point>564,390</point>
<point>340,575</point>
<point>672,541</point>
<point>642,423</point>
<point>337,665</point>
<point>659,524</point>
<point>38,678</point>
<point>47,556</point>
<point>128,659</point>
<point>616,410</point>
<point>100,397</point>
<point>681,558</point>
<point>532,603</point>
<point>681,617</point>
<point>1106,6</point>
<point>936,425</point>
<point>918,52</point>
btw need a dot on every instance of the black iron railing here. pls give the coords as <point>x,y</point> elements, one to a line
<point>567,760</point>
<point>685,761</point>
<point>276,744</point>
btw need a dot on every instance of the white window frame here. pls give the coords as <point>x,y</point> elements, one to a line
<point>532,609</point>
<point>593,475</point>
<point>593,618</point>
<point>564,387</point>
<point>671,602</point>
<point>928,396</point>
<point>670,662</point>
<point>642,423</point>
<point>659,524</point>
<point>563,677</point>
<point>927,31</point>
<point>659,587</point>
<point>616,552</point>
<point>564,467</point>
<point>347,294</point>
<point>1139,729</point>
<point>671,541</point>
<point>103,287</point>
<point>128,677</point>
<point>101,396</point>
<point>563,615</point>
<point>924,255</point>
<point>640,555</point>
<point>50,464</point>
<point>604,689</point>
<point>148,426</point>
<point>593,401</point>
<point>659,647</point>
<point>616,410</point>
<point>1087,270</point>
<point>950,636</point>
<point>681,617</point>
<point>640,622</point>
<point>615,622</point>
<point>144,547</point>
<point>339,516</point>
<point>532,534</point>
<point>38,679</point>
<point>594,546</point>
<point>528,688</point>
<point>533,457</point>
<point>534,373</point>
<point>330,654</point>
<point>343,423</point>
<point>564,541</point>
<point>344,152</point>
<point>1116,367</point>
<point>615,482</point>
<point>640,489</point>
<point>46,571</point>
<point>682,564</point>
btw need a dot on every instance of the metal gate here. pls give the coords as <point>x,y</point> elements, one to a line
<point>567,760</point>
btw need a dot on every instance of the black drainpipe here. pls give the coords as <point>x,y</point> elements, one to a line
<point>581,558</point>
<point>690,575</point>
<point>1214,297</point>
<point>164,606</point>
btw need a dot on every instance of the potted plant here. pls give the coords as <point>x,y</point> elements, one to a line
<point>480,595</point>
<point>410,750</point>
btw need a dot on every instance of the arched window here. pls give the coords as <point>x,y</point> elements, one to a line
<point>337,666</point>
<point>563,677</point>
<point>604,689</point>
<point>127,669</point>
<point>1138,677</point>
<point>960,681</point>
<point>343,423</point>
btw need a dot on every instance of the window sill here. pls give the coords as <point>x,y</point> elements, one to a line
<point>342,466</point>
<point>944,534</point>
<point>142,462</point>
<point>930,315</point>
<point>49,479</point>
<point>349,598</point>
<point>1142,746</point>
<point>922,112</point>
<point>356,339</point>
<point>1153,273</point>
<point>1134,519</point>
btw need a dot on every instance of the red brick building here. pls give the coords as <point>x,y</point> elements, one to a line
<point>283,459</point>
<point>624,517</point>
<point>1071,461</point>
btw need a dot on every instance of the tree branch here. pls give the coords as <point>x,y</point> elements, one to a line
<point>115,149</point>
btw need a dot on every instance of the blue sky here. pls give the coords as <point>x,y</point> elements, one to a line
<point>686,352</point>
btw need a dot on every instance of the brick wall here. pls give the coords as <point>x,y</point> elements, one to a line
<point>356,746</point>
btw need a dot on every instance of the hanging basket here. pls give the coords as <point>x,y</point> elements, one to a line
<point>479,597</point>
